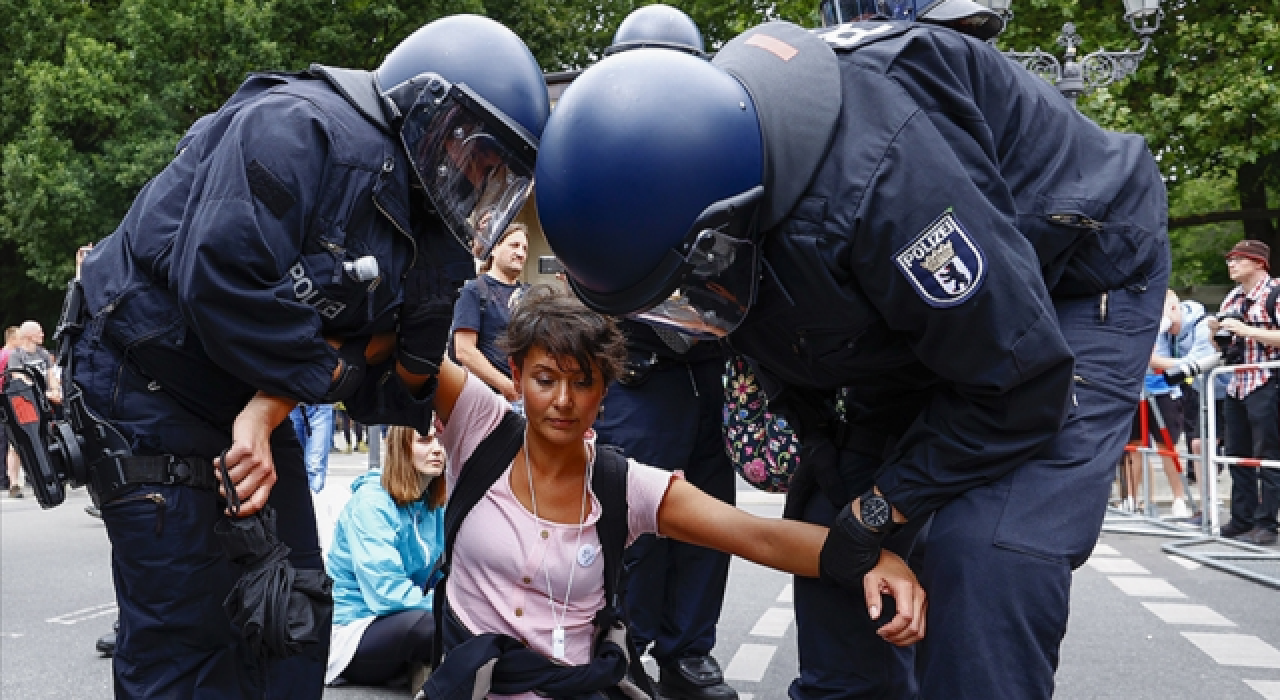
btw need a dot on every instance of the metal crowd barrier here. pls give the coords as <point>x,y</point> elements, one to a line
<point>1252,562</point>
<point>1149,522</point>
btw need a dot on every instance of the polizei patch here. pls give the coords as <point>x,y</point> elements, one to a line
<point>943,263</point>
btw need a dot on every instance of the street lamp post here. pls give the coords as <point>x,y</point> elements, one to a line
<point>1075,75</point>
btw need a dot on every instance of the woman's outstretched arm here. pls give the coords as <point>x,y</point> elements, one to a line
<point>689,515</point>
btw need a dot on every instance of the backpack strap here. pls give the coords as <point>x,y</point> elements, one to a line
<point>1270,308</point>
<point>609,482</point>
<point>482,469</point>
<point>482,288</point>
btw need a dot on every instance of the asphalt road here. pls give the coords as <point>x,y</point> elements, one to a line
<point>1202,633</point>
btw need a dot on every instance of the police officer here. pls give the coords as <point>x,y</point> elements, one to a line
<point>666,411</point>
<point>302,247</point>
<point>897,209</point>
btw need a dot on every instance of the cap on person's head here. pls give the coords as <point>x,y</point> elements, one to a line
<point>1254,250</point>
<point>965,16</point>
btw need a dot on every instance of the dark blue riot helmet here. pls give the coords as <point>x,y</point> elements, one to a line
<point>659,172</point>
<point>657,26</point>
<point>470,104</point>
<point>647,198</point>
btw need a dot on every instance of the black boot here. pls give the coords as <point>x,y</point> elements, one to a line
<point>694,678</point>
<point>107,643</point>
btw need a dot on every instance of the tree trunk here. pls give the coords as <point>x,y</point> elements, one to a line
<point>1252,185</point>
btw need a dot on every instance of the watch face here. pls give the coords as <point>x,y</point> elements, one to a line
<point>875,512</point>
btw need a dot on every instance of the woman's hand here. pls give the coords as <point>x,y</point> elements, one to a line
<point>249,461</point>
<point>891,576</point>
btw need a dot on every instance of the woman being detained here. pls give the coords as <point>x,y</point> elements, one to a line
<point>526,582</point>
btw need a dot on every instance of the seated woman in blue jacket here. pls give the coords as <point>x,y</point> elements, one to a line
<point>386,551</point>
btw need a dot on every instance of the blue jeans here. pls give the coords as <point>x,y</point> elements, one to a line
<point>314,425</point>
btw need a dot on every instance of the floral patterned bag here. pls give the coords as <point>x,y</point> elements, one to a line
<point>761,445</point>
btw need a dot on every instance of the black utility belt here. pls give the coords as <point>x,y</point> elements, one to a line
<point>111,476</point>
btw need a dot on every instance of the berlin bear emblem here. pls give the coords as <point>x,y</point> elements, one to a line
<point>943,263</point>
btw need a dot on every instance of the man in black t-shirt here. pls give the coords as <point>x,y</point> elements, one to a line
<point>483,309</point>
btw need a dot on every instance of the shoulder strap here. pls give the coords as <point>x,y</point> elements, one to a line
<point>486,464</point>
<point>481,470</point>
<point>609,482</point>
<point>1270,308</point>
<point>483,288</point>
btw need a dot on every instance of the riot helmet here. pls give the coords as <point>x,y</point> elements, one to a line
<point>964,16</point>
<point>469,103</point>
<point>649,181</point>
<point>657,26</point>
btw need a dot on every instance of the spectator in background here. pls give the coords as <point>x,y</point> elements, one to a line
<point>1168,401</point>
<point>343,419</point>
<point>29,354</point>
<point>385,555</point>
<point>1252,414</point>
<point>1190,343</point>
<point>314,425</point>
<point>13,469</point>
<point>483,310</point>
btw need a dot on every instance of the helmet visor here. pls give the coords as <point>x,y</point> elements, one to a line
<point>836,12</point>
<point>475,164</point>
<point>714,295</point>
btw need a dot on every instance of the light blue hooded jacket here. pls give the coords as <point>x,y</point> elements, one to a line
<point>382,554</point>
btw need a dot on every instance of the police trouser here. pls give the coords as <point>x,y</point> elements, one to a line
<point>674,590</point>
<point>171,574</point>
<point>996,561</point>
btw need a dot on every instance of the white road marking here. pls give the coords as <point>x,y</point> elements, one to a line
<point>1236,649</point>
<point>1105,550</point>
<point>788,594</point>
<point>1184,562</point>
<point>746,696</point>
<point>1184,614</point>
<point>73,617</point>
<point>1269,690</point>
<point>750,662</point>
<point>774,623</point>
<point>1146,587</point>
<point>1118,566</point>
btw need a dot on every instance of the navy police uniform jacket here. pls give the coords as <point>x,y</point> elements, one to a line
<point>227,273</point>
<point>959,197</point>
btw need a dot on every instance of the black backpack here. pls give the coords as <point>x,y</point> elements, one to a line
<point>609,484</point>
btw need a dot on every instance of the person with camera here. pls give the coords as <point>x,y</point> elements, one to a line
<point>305,245</point>
<point>1251,315</point>
<point>484,307</point>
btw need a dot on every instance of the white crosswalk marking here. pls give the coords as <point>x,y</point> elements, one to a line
<point>1269,690</point>
<point>750,662</point>
<point>773,623</point>
<point>1118,566</point>
<point>1142,587</point>
<point>75,616</point>
<point>1185,614</point>
<point>1105,550</point>
<point>1184,562</point>
<point>787,595</point>
<point>1236,649</point>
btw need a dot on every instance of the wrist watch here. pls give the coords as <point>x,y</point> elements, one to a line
<point>876,513</point>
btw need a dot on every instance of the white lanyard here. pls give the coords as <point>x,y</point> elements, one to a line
<point>557,633</point>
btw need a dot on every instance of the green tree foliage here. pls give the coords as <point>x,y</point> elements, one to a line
<point>1207,98</point>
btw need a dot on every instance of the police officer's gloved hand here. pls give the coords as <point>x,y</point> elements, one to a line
<point>351,370</point>
<point>425,319</point>
<point>850,551</point>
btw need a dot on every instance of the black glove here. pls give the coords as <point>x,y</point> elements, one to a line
<point>425,319</point>
<point>850,551</point>
<point>350,373</point>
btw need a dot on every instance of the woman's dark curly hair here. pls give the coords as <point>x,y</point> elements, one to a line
<point>561,325</point>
